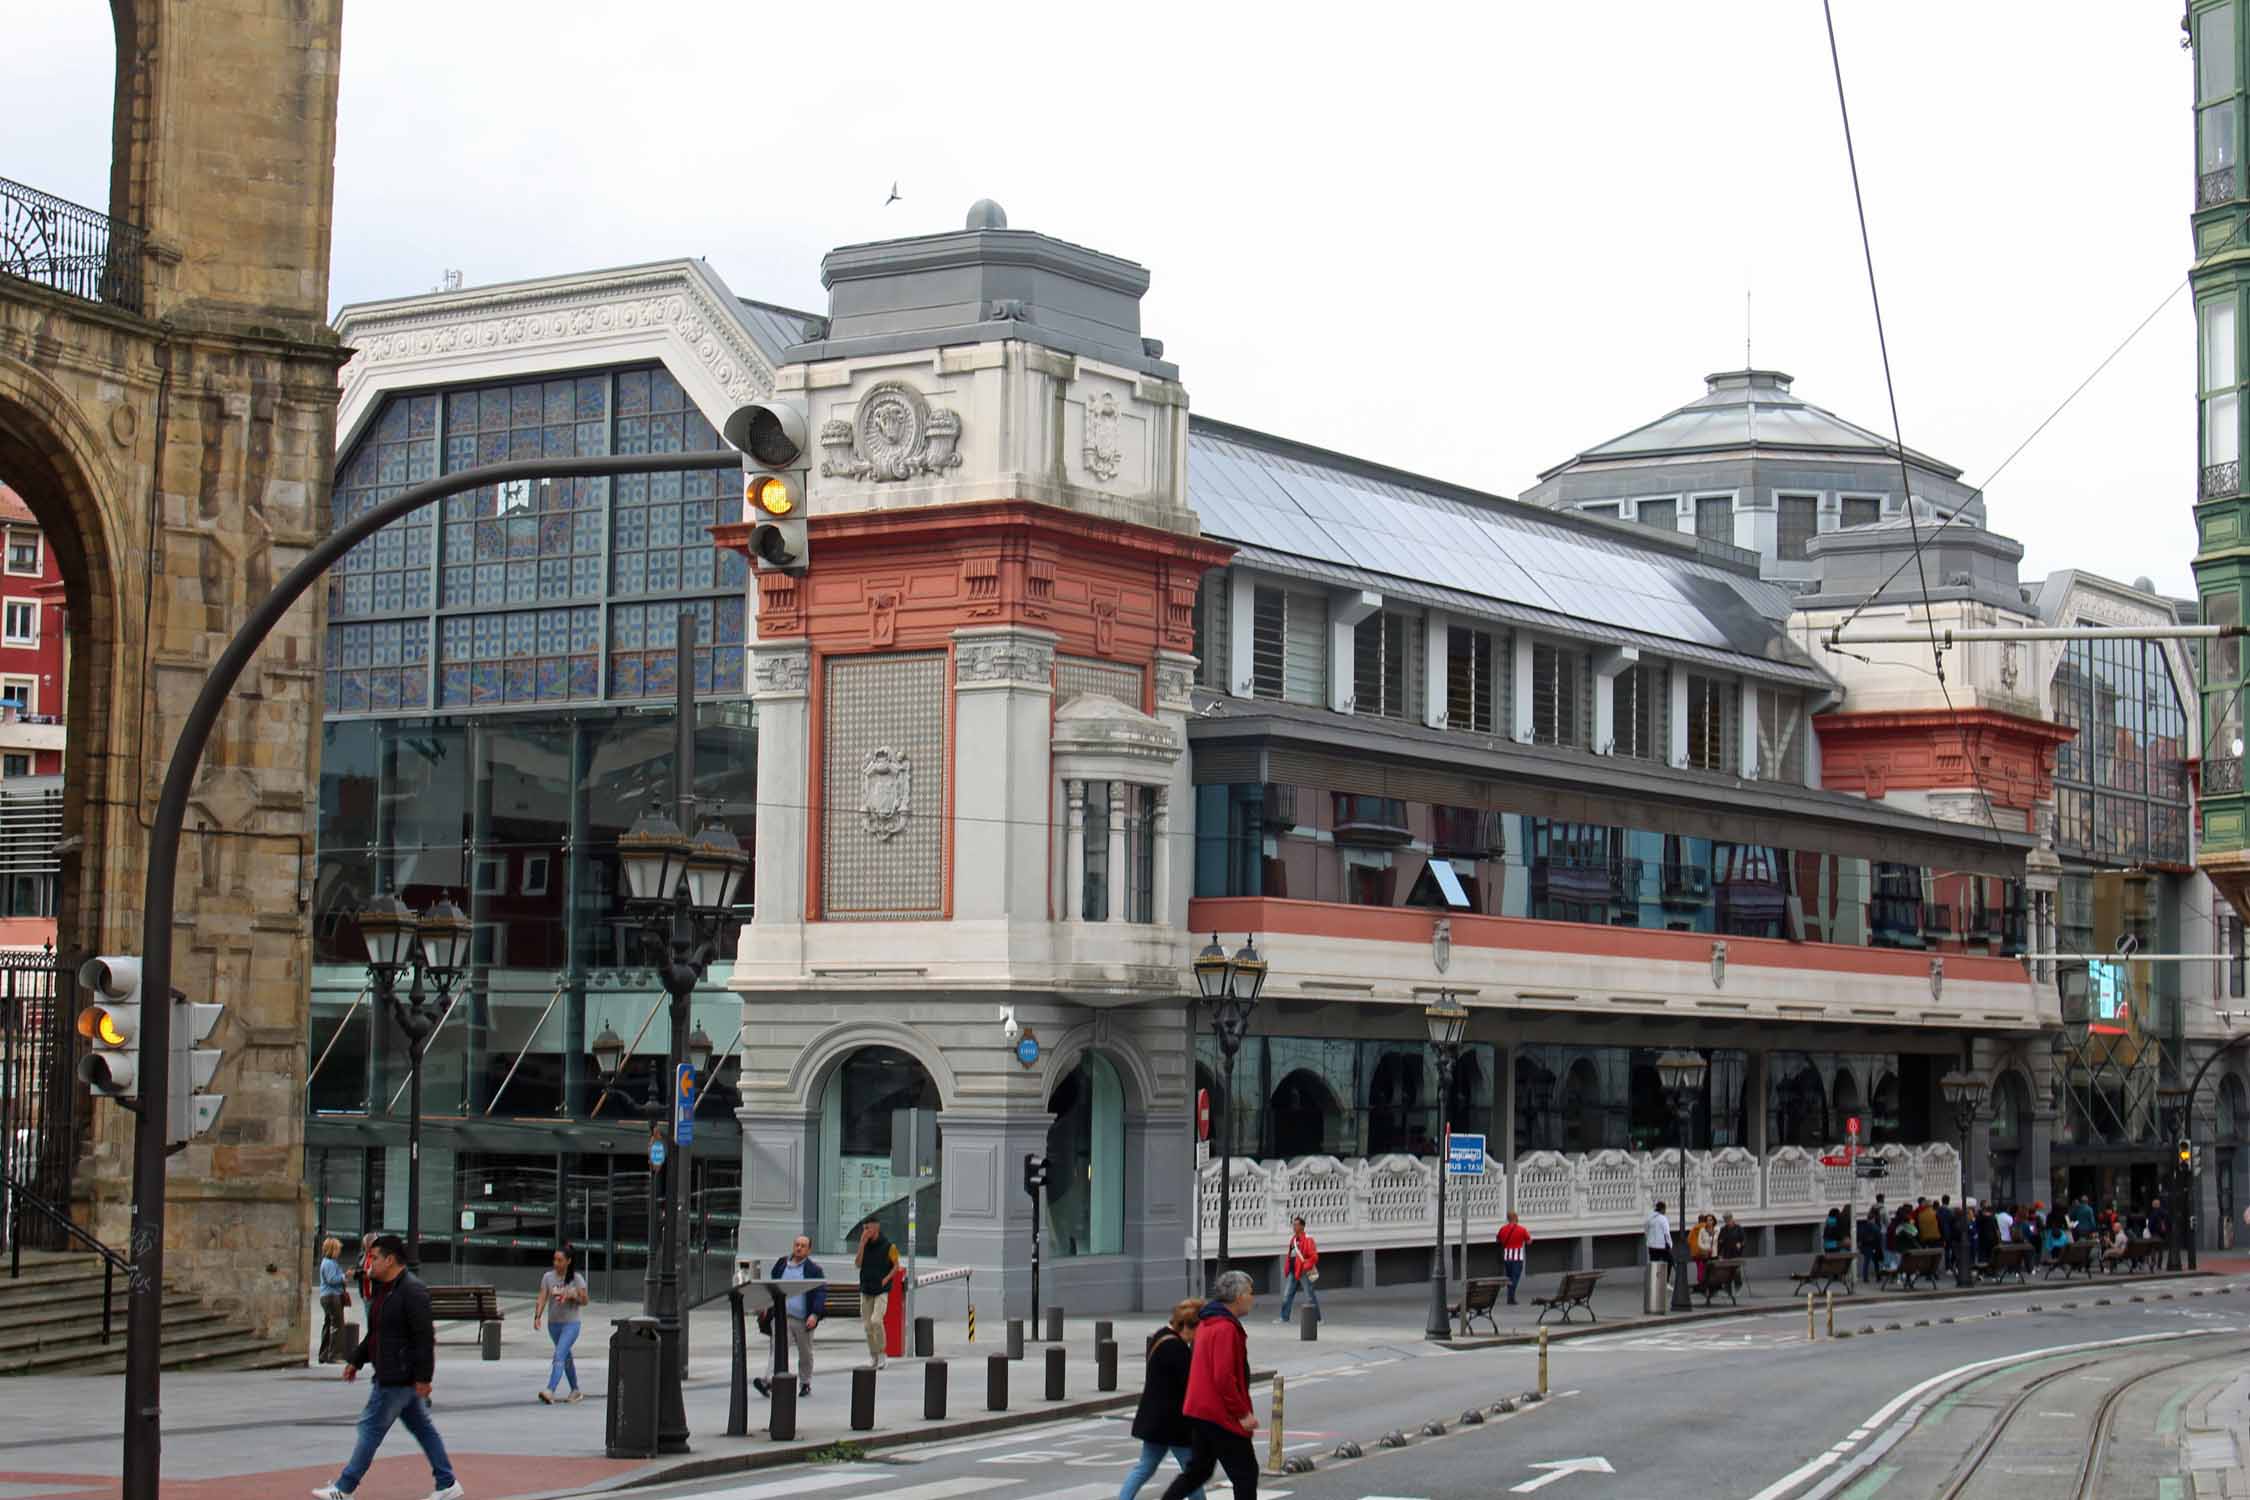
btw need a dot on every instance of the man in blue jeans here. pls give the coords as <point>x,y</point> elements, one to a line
<point>401,1344</point>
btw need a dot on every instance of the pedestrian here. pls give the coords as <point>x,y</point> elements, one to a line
<point>802,1312</point>
<point>2058,1236</point>
<point>1734,1240</point>
<point>401,1345</point>
<point>1870,1238</point>
<point>1949,1230</point>
<point>1514,1240</point>
<point>1158,1421</point>
<point>1925,1222</point>
<point>1300,1266</point>
<point>1703,1243</point>
<point>1988,1232</point>
<point>1659,1236</point>
<point>2006,1225</point>
<point>334,1297</point>
<point>562,1291</point>
<point>2159,1222</point>
<point>366,1267</point>
<point>2082,1217</point>
<point>1218,1395</point>
<point>1832,1232</point>
<point>875,1258</point>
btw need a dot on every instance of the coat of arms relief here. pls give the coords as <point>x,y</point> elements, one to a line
<point>894,434</point>
<point>886,792</point>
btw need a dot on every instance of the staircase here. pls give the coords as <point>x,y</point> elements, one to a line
<point>51,1324</point>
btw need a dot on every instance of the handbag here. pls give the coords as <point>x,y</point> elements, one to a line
<point>1311,1278</point>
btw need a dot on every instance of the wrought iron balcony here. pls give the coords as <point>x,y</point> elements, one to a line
<point>69,248</point>
<point>2220,480</point>
<point>2222,776</point>
<point>2214,188</point>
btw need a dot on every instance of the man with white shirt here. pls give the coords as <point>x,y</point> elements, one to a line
<point>1659,1235</point>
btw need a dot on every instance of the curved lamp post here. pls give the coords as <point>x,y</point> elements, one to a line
<point>432,945</point>
<point>1229,988</point>
<point>1449,1031</point>
<point>1682,1074</point>
<point>2173,1100</point>
<point>1965,1091</point>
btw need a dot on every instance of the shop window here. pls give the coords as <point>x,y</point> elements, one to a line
<point>1085,1198</point>
<point>862,1110</point>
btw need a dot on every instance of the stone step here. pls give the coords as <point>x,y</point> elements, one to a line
<point>194,1319</point>
<point>183,1347</point>
<point>86,1307</point>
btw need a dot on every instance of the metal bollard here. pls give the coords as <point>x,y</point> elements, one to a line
<point>972,1322</point>
<point>1830,1295</point>
<point>863,1399</point>
<point>1105,1365</point>
<point>1104,1332</point>
<point>1273,1431</point>
<point>488,1340</point>
<point>1308,1326</point>
<point>1054,1325</point>
<point>933,1390</point>
<point>1809,1335</point>
<point>781,1415</point>
<point>1015,1338</point>
<point>925,1337</point>
<point>1542,1361</point>
<point>996,1382</point>
<point>1055,1357</point>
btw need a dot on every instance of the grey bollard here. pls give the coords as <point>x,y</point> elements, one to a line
<point>1015,1342</point>
<point>781,1413</point>
<point>863,1399</point>
<point>1308,1326</point>
<point>488,1340</point>
<point>348,1339</point>
<point>1105,1365</point>
<point>1055,1357</point>
<point>996,1382</point>
<point>1054,1325</point>
<point>925,1337</point>
<point>933,1390</point>
<point>1104,1332</point>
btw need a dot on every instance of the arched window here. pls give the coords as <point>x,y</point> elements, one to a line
<point>862,1117</point>
<point>1306,1116</point>
<point>1086,1157</point>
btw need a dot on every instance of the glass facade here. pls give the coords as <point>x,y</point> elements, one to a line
<point>2121,794</point>
<point>1309,844</point>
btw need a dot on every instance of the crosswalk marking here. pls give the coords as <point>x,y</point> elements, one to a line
<point>779,1489</point>
<point>946,1489</point>
<point>1021,1436</point>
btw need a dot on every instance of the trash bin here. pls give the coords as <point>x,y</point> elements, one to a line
<point>1657,1296</point>
<point>636,1367</point>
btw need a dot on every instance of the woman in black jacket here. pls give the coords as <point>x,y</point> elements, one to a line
<point>1158,1422</point>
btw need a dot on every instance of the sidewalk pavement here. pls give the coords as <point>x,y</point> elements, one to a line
<point>275,1435</point>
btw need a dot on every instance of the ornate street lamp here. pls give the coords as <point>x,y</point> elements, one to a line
<point>1230,988</point>
<point>1965,1091</point>
<point>1449,1030</point>
<point>432,946</point>
<point>1682,1074</point>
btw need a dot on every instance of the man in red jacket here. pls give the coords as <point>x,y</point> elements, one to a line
<point>1218,1395</point>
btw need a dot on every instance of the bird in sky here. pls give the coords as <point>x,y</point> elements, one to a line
<point>893,198</point>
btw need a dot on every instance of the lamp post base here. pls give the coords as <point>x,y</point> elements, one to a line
<point>671,1407</point>
<point>1439,1324</point>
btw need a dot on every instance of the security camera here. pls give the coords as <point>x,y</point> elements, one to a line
<point>1008,1026</point>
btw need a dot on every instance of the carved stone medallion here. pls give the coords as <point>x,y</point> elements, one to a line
<point>1104,458</point>
<point>887,792</point>
<point>895,434</point>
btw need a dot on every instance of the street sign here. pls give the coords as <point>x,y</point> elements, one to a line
<point>1464,1156</point>
<point>1835,1161</point>
<point>1027,1049</point>
<point>1203,1114</point>
<point>684,1094</point>
<point>1871,1169</point>
<point>1851,1127</point>
<point>656,1153</point>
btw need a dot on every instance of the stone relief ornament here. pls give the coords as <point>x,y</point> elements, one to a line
<point>1004,660</point>
<point>887,792</point>
<point>1103,456</point>
<point>780,673</point>
<point>894,435</point>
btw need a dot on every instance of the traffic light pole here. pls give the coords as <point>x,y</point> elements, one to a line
<point>144,1307</point>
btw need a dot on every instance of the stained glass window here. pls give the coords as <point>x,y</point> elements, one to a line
<point>519,576</point>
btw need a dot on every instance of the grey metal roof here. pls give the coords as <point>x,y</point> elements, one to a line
<point>1750,408</point>
<point>1293,509</point>
<point>774,327</point>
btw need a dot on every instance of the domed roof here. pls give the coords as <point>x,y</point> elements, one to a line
<point>1750,409</point>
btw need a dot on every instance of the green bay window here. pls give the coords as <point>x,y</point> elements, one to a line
<point>2217,76</point>
<point>2217,335</point>
<point>2222,680</point>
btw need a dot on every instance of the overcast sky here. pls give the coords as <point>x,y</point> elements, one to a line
<point>1468,241</point>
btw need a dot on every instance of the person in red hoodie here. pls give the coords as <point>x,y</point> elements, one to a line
<point>1218,1395</point>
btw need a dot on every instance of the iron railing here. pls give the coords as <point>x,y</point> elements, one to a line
<point>22,1203</point>
<point>39,1092</point>
<point>69,247</point>
<point>2214,188</point>
<point>2222,776</point>
<point>2220,479</point>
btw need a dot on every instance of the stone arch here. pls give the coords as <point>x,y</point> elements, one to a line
<point>1132,1067</point>
<point>2232,1110</point>
<point>822,1055</point>
<point>1297,1108</point>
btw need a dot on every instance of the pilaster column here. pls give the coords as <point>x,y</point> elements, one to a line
<point>1436,689</point>
<point>1160,830</point>
<point>1074,853</point>
<point>1159,1192</point>
<point>1519,689</point>
<point>1746,755</point>
<point>985,1223</point>
<point>780,1179</point>
<point>1346,608</point>
<point>1607,666</point>
<point>1675,752</point>
<point>1120,875</point>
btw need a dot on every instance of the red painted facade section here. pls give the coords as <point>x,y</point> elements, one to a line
<point>1876,753</point>
<point>31,661</point>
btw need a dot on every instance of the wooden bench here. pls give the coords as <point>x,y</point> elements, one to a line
<point>1830,1270</point>
<point>464,1304</point>
<point>1482,1295</point>
<point>2075,1259</point>
<point>1913,1266</point>
<point>2009,1260</point>
<point>1576,1290</point>
<point>1720,1276</point>
<point>2143,1254</point>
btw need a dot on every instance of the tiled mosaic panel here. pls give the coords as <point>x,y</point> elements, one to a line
<point>519,656</point>
<point>644,647</point>
<point>896,702</point>
<point>660,524</point>
<point>389,573</point>
<point>524,543</point>
<point>379,667</point>
<point>1079,674</point>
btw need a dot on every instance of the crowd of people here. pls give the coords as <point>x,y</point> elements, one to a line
<point>1886,1233</point>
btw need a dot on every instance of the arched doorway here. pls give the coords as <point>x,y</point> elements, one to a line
<point>1306,1117</point>
<point>1086,1153</point>
<point>2004,1138</point>
<point>1800,1109</point>
<point>1398,1109</point>
<point>1580,1106</point>
<point>1844,1095</point>
<point>864,1128</point>
<point>2234,1117</point>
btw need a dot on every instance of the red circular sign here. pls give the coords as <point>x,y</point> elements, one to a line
<point>1851,1125</point>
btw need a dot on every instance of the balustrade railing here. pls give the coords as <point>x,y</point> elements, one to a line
<point>69,247</point>
<point>1393,1199</point>
<point>2222,776</point>
<point>2214,188</point>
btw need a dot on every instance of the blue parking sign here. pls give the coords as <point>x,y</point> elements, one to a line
<point>1464,1155</point>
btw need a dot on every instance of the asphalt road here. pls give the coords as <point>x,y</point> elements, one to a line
<point>1743,1408</point>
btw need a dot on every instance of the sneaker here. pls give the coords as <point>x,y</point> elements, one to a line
<point>577,1396</point>
<point>804,1390</point>
<point>450,1492</point>
<point>762,1387</point>
<point>330,1492</point>
<point>546,1398</point>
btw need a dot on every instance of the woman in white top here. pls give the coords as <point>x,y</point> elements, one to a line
<point>562,1292</point>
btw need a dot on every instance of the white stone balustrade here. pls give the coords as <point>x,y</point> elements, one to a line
<point>1392,1200</point>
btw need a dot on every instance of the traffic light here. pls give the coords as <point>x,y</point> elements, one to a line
<point>1035,1169</point>
<point>111,1026</point>
<point>192,1110</point>
<point>771,435</point>
<point>2187,1152</point>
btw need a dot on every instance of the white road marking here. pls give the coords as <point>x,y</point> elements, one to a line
<point>780,1489</point>
<point>1020,1435</point>
<point>946,1489</point>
